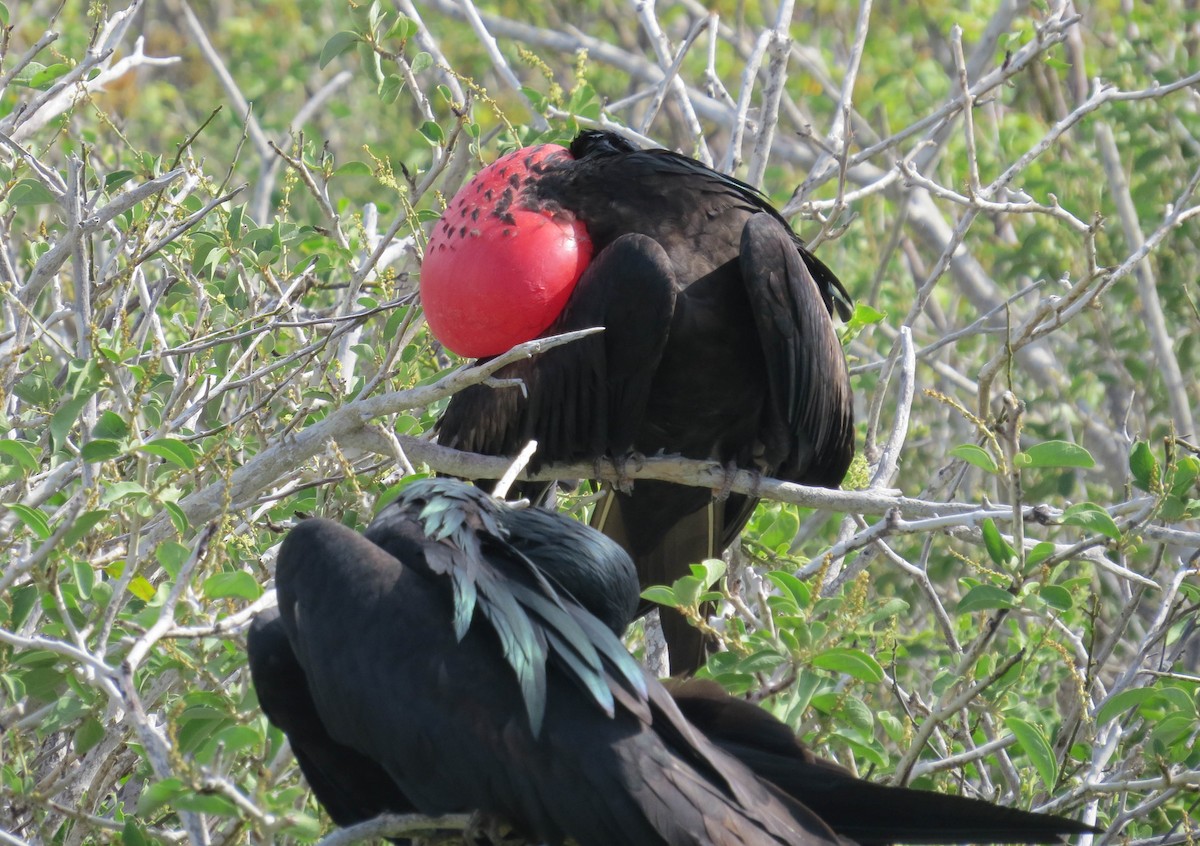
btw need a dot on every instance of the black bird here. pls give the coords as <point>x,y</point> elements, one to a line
<point>718,344</point>
<point>434,647</point>
<point>364,671</point>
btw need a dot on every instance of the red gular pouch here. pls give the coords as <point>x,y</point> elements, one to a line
<point>498,270</point>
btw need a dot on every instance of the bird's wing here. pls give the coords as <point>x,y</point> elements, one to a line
<point>351,786</point>
<point>806,370</point>
<point>584,399</point>
<point>469,544</point>
<point>831,290</point>
<point>868,813</point>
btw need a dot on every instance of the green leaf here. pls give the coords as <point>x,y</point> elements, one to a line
<point>1168,731</point>
<point>891,724</point>
<point>99,450</point>
<point>132,835</point>
<point>660,594</point>
<point>338,44</point>
<point>20,453</point>
<point>236,738</point>
<point>371,63</point>
<point>1119,703</point>
<point>1187,469</point>
<point>120,490</point>
<point>374,13</point>
<point>44,78</point>
<point>788,583</point>
<point>763,661</point>
<point>66,417</point>
<point>857,713</point>
<point>976,455</point>
<point>863,316</point>
<point>1031,739</point>
<point>85,577</point>
<point>390,89</point>
<point>984,598</point>
<point>421,61</point>
<point>23,600</point>
<point>354,169</point>
<point>171,556</point>
<point>172,450</point>
<point>1179,701</point>
<point>141,588</point>
<point>88,734</point>
<point>110,425</point>
<point>885,610</point>
<point>83,524</point>
<point>233,226</point>
<point>117,178</point>
<point>998,548</point>
<point>402,28</point>
<point>1059,454</point>
<point>206,803</point>
<point>852,662</point>
<point>782,530</point>
<point>1040,553</point>
<point>178,518</point>
<point>1057,597</point>
<point>33,519</point>
<point>260,238</point>
<point>1144,467</point>
<point>687,590</point>
<point>1093,518</point>
<point>157,795</point>
<point>239,584</point>
<point>4,14</point>
<point>215,257</point>
<point>30,192</point>
<point>709,571</point>
<point>432,132</point>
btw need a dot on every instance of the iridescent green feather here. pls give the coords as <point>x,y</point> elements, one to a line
<point>531,620</point>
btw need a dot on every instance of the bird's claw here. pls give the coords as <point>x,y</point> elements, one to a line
<point>485,829</point>
<point>621,465</point>
<point>731,470</point>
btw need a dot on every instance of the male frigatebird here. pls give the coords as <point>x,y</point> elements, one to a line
<point>462,656</point>
<point>718,341</point>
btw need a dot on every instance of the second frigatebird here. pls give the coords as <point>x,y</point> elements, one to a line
<point>463,656</point>
<point>433,646</point>
<point>718,339</point>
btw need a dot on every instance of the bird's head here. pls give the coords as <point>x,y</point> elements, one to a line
<point>598,142</point>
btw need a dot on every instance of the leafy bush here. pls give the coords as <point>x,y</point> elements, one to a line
<point>210,228</point>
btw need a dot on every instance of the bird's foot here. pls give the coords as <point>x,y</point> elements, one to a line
<point>731,470</point>
<point>622,464</point>
<point>490,830</point>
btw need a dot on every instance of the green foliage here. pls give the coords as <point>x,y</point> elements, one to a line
<point>169,347</point>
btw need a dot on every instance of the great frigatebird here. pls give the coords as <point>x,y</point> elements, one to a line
<point>433,646</point>
<point>462,656</point>
<point>718,341</point>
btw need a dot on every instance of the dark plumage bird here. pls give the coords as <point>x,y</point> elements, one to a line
<point>434,647</point>
<point>718,342</point>
<point>463,656</point>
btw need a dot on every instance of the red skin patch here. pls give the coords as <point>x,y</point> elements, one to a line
<point>497,273</point>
